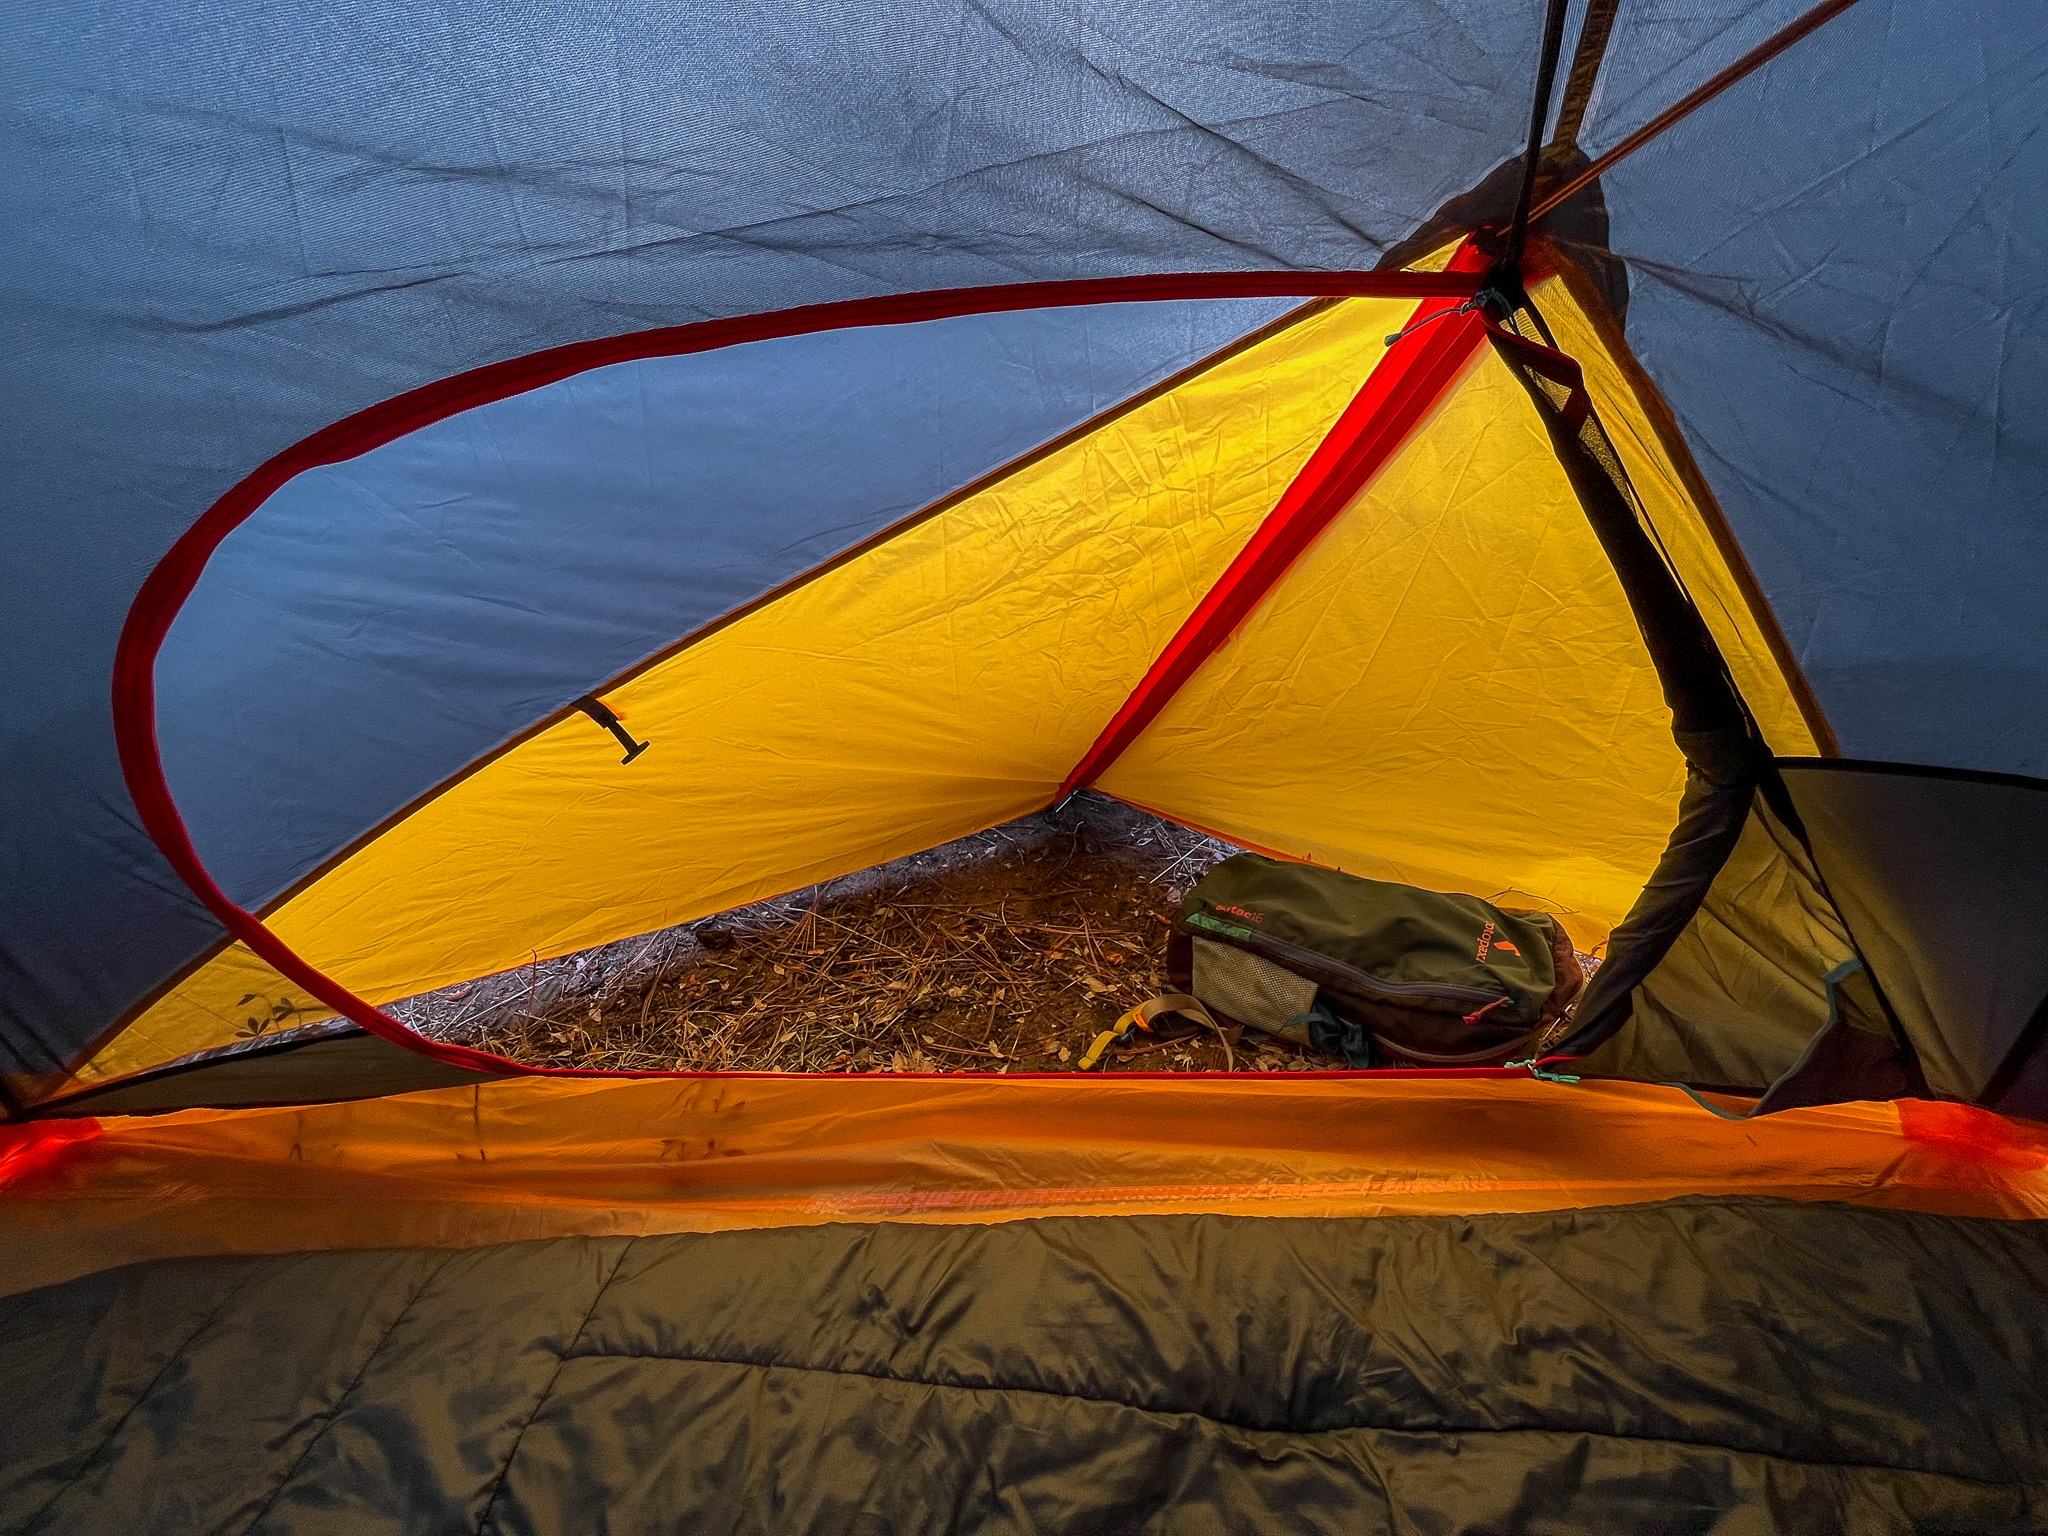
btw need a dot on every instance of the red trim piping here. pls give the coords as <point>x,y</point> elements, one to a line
<point>32,1147</point>
<point>167,587</point>
<point>1393,401</point>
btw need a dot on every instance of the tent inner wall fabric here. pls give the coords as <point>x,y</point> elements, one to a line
<point>1737,999</point>
<point>385,621</point>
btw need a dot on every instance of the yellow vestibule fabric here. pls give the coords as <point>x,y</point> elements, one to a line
<point>1448,689</point>
<point>233,996</point>
<point>941,682</point>
<point>1681,527</point>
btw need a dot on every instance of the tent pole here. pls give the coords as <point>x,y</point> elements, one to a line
<point>1686,105</point>
<point>1539,114</point>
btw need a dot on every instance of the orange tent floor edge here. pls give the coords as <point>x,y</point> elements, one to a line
<point>530,1158</point>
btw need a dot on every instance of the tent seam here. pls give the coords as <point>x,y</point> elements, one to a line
<point>248,1268</point>
<point>327,1420</point>
<point>540,1400</point>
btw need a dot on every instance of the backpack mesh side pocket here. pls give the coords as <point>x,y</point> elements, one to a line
<point>1251,990</point>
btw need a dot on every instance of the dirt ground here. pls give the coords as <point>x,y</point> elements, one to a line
<point>1004,952</point>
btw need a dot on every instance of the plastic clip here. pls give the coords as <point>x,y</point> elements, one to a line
<point>603,714</point>
<point>1541,1074</point>
<point>1126,1026</point>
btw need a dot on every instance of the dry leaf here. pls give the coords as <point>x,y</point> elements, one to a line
<point>1065,1054</point>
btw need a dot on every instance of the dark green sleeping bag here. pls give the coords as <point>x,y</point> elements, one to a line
<point>1727,1366</point>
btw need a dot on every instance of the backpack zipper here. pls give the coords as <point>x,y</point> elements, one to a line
<point>1366,982</point>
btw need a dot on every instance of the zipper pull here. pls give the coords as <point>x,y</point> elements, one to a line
<point>1474,1018</point>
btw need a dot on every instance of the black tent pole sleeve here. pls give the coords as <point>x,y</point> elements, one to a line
<point>1683,650</point>
<point>1721,770</point>
<point>1539,113</point>
<point>1588,54</point>
<point>1724,759</point>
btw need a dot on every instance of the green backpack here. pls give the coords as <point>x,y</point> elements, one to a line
<point>1382,974</point>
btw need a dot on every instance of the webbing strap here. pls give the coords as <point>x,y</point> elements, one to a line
<point>1396,397</point>
<point>1704,1103</point>
<point>1141,1017</point>
<point>1171,1002</point>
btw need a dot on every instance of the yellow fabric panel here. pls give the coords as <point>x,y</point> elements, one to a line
<point>535,1157</point>
<point>224,1001</point>
<point>1682,528</point>
<point>939,683</point>
<point>1448,689</point>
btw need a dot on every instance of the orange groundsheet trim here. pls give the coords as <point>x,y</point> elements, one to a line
<point>532,1157</point>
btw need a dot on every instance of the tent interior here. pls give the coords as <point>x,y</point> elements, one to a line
<point>491,489</point>
<point>1320,584</point>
